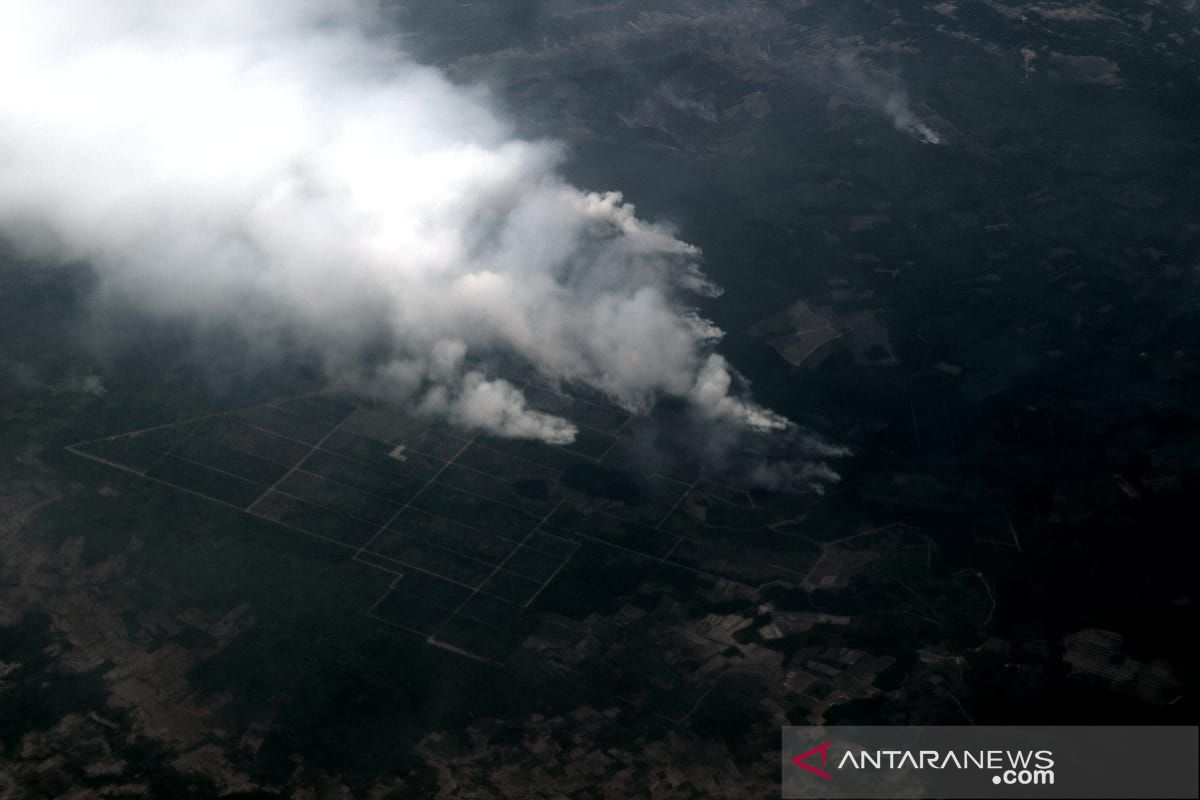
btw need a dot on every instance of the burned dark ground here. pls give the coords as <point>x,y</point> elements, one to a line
<point>960,239</point>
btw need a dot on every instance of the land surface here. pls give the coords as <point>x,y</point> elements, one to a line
<point>960,238</point>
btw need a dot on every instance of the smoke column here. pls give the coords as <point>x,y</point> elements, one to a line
<point>272,167</point>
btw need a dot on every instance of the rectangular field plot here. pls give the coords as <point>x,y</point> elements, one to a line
<point>212,453</point>
<point>535,495</point>
<point>494,565</point>
<point>476,512</point>
<point>281,423</point>
<point>427,605</point>
<point>492,640</point>
<point>379,455</point>
<point>615,531</point>
<point>540,453</point>
<point>508,586</point>
<point>339,497</point>
<point>318,408</point>
<point>550,544</point>
<point>243,437</point>
<point>500,464</point>
<point>313,519</point>
<point>206,481</point>
<point>659,495</point>
<point>395,428</point>
<point>413,614</point>
<point>414,552</point>
<point>473,543</point>
<point>489,610</point>
<point>534,564</point>
<point>434,589</point>
<point>473,529</point>
<point>140,451</point>
<point>389,483</point>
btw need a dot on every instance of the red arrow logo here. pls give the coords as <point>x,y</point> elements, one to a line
<point>801,762</point>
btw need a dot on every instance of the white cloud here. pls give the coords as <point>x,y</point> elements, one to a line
<point>269,165</point>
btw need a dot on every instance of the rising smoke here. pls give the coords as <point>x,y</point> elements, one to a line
<point>273,167</point>
<point>881,91</point>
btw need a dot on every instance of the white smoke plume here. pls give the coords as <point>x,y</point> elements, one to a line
<point>273,166</point>
<point>883,92</point>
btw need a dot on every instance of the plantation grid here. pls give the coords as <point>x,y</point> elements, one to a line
<point>473,529</point>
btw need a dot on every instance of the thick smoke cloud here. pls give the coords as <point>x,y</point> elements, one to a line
<point>273,167</point>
